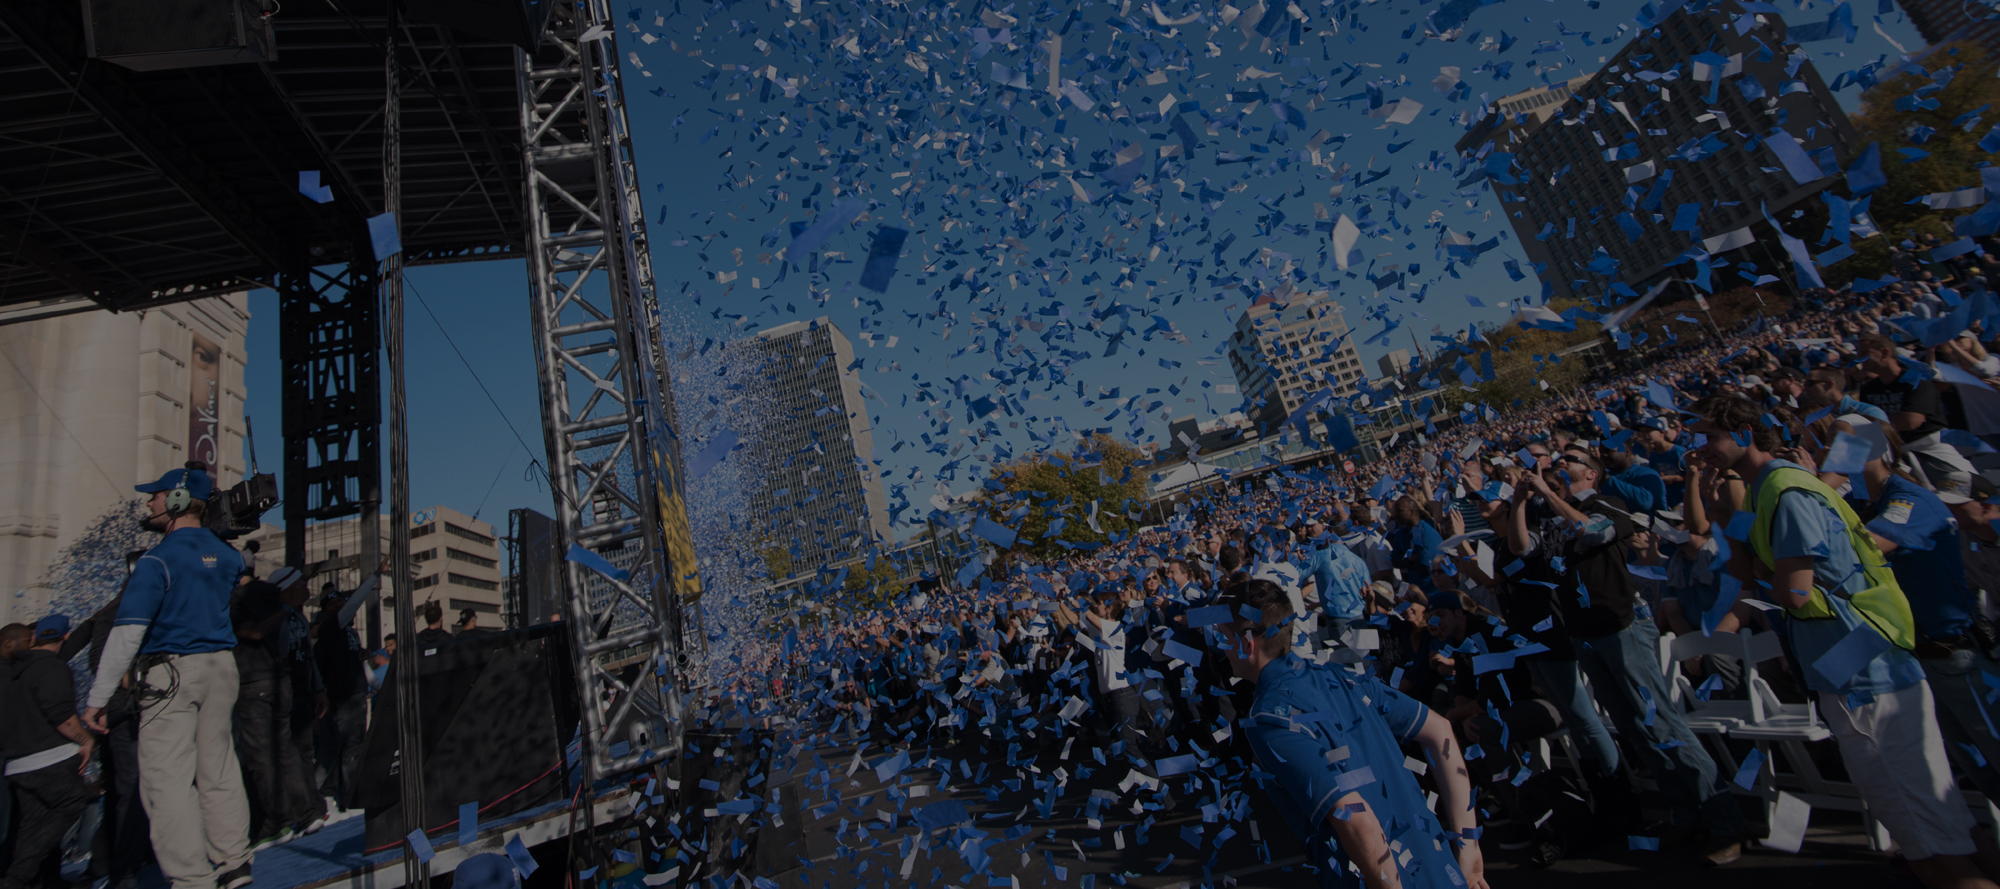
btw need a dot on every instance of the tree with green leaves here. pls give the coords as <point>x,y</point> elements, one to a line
<point>1049,496</point>
<point>1941,106</point>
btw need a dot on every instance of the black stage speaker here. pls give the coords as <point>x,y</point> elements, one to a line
<point>538,589</point>
<point>498,711</point>
<point>155,35</point>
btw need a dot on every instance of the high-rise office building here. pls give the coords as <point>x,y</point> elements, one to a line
<point>1286,349</point>
<point>1943,21</point>
<point>818,493</point>
<point>96,402</point>
<point>1619,176</point>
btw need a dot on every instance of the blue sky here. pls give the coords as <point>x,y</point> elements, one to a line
<point>690,141</point>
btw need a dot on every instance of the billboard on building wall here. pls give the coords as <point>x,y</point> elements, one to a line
<point>205,402</point>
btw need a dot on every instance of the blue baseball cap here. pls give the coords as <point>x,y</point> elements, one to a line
<point>485,871</point>
<point>53,627</point>
<point>199,485</point>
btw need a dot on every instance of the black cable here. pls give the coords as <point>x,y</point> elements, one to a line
<point>475,376</point>
<point>494,484</point>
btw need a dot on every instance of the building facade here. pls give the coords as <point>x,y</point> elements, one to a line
<point>94,403</point>
<point>818,497</point>
<point>1395,364</point>
<point>1608,160</point>
<point>1283,351</point>
<point>455,560</point>
<point>1943,21</point>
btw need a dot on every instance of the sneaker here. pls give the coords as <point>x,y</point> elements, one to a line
<point>1719,851</point>
<point>283,836</point>
<point>309,827</point>
<point>235,879</point>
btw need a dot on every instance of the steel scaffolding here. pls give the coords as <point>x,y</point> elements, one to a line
<point>606,413</point>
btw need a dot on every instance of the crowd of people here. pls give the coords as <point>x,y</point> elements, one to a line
<point>219,718</point>
<point>1821,474</point>
<point>1378,650</point>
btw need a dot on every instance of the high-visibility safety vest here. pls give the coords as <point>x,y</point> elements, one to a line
<point>1882,604</point>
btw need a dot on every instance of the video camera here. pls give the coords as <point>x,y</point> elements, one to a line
<point>240,509</point>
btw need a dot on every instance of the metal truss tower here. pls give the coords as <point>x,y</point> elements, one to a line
<point>607,412</point>
<point>329,328</point>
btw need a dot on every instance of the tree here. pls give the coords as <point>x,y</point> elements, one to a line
<point>872,580</point>
<point>1048,490</point>
<point>1954,152</point>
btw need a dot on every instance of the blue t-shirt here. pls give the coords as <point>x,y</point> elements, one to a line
<point>1804,525</point>
<point>180,593</point>
<point>1340,576</point>
<point>1304,712</point>
<point>1927,562</point>
<point>1412,549</point>
<point>1672,461</point>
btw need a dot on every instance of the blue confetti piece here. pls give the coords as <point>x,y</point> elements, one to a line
<point>524,860</point>
<point>421,845</point>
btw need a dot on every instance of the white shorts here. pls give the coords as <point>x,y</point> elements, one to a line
<point>1896,759</point>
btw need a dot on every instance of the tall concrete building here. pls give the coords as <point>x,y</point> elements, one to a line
<point>1610,160</point>
<point>818,493</point>
<point>1943,21</point>
<point>1395,364</point>
<point>94,403</point>
<point>1286,349</point>
<point>455,558</point>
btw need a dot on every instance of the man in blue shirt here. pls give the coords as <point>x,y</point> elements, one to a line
<point>174,619</point>
<point>1656,434</point>
<point>1413,544</point>
<point>1340,577</point>
<point>1801,553</point>
<point>1915,528</point>
<point>1332,739</point>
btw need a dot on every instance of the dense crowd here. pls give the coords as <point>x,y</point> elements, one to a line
<point>1819,474</point>
<point>1386,653</point>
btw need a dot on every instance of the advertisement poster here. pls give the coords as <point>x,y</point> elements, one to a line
<point>205,402</point>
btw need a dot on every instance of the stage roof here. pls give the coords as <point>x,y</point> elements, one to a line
<point>126,189</point>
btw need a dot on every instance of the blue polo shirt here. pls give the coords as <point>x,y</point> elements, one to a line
<point>1927,562</point>
<point>1340,576</point>
<point>180,593</point>
<point>1305,713</point>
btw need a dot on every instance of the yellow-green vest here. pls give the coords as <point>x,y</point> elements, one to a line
<point>1882,604</point>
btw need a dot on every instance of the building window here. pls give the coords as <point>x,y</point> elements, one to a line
<point>425,554</point>
<point>473,582</point>
<point>427,581</point>
<point>473,536</point>
<point>463,556</point>
<point>421,530</point>
<point>481,607</point>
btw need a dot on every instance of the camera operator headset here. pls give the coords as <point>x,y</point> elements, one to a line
<point>174,622</point>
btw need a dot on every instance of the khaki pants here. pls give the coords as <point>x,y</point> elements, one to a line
<point>189,780</point>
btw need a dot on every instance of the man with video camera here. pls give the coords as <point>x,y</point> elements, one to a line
<point>174,621</point>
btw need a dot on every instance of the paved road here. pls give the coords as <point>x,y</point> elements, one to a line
<point>855,831</point>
